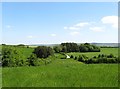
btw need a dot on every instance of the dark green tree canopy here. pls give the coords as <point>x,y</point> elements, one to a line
<point>43,51</point>
<point>74,47</point>
<point>70,47</point>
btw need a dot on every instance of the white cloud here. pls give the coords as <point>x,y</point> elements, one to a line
<point>97,29</point>
<point>113,20</point>
<point>77,26</point>
<point>30,37</point>
<point>74,28</point>
<point>75,33</point>
<point>65,27</point>
<point>82,24</point>
<point>53,35</point>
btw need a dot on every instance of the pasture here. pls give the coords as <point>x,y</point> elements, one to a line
<point>106,51</point>
<point>62,73</point>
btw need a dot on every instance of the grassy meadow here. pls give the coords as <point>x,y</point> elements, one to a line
<point>63,72</point>
<point>106,51</point>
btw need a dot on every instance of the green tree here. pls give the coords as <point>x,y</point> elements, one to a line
<point>57,49</point>
<point>43,51</point>
<point>12,57</point>
<point>33,60</point>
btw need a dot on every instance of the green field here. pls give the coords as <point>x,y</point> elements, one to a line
<point>63,73</point>
<point>106,51</point>
<point>26,51</point>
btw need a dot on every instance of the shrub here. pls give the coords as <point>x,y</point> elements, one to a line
<point>43,51</point>
<point>12,57</point>
<point>75,58</point>
<point>81,58</point>
<point>33,60</point>
<point>94,57</point>
<point>71,56</point>
<point>84,56</point>
<point>110,56</point>
<point>57,49</point>
<point>102,58</point>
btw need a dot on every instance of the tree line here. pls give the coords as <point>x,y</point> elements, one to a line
<point>74,47</point>
<point>101,58</point>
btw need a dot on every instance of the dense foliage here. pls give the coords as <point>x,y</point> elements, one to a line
<point>57,49</point>
<point>33,60</point>
<point>88,48</point>
<point>43,51</point>
<point>101,58</point>
<point>70,47</point>
<point>12,57</point>
<point>73,47</point>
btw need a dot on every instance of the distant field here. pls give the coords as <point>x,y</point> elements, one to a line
<point>114,51</point>
<point>32,46</point>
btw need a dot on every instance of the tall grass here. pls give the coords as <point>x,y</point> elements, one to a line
<point>62,73</point>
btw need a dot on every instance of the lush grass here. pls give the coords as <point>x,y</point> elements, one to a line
<point>62,73</point>
<point>114,51</point>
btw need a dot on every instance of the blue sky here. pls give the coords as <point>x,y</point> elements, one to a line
<point>56,22</point>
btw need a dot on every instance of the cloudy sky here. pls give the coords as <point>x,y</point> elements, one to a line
<point>56,22</point>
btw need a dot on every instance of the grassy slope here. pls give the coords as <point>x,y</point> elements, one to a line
<point>114,51</point>
<point>62,73</point>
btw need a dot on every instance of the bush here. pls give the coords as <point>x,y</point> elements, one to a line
<point>94,57</point>
<point>102,58</point>
<point>84,56</point>
<point>75,58</point>
<point>63,57</point>
<point>81,58</point>
<point>57,49</point>
<point>43,51</point>
<point>90,61</point>
<point>33,60</point>
<point>12,57</point>
<point>71,56</point>
<point>110,56</point>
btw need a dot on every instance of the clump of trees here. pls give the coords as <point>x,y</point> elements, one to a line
<point>101,58</point>
<point>21,45</point>
<point>88,48</point>
<point>43,51</point>
<point>13,57</point>
<point>57,49</point>
<point>70,47</point>
<point>74,47</point>
<point>33,60</point>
